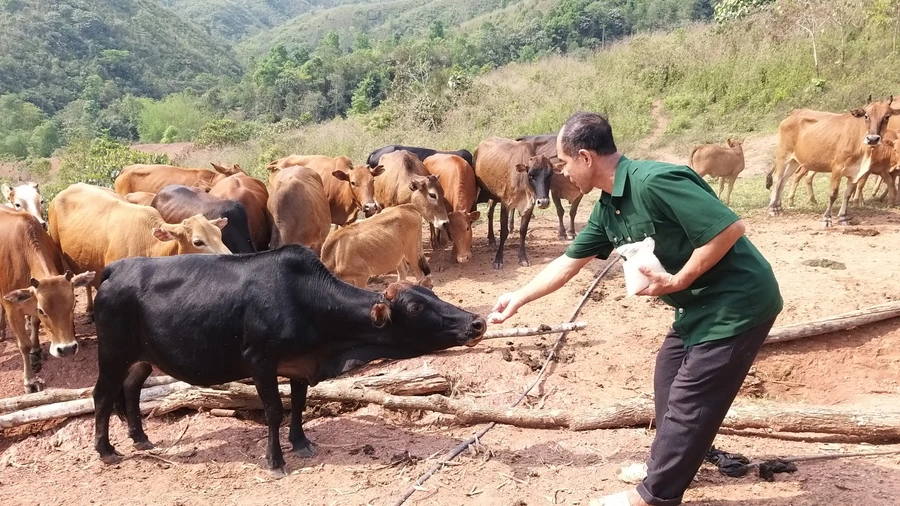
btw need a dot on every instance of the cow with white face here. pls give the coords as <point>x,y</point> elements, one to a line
<point>26,197</point>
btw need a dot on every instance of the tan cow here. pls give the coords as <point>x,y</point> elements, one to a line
<point>299,208</point>
<point>840,144</point>
<point>405,181</point>
<point>140,198</point>
<point>561,187</point>
<point>349,189</point>
<point>387,242</point>
<point>94,227</point>
<point>35,287</point>
<point>511,173</point>
<point>253,195</point>
<point>26,197</point>
<point>885,159</point>
<point>153,178</point>
<point>457,178</point>
<point>722,162</point>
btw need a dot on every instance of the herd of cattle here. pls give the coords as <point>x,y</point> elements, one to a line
<point>314,201</point>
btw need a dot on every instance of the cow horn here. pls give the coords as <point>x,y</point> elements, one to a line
<point>870,98</point>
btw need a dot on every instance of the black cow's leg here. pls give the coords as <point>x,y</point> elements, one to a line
<point>512,220</point>
<point>107,389</point>
<point>523,231</point>
<point>303,447</point>
<point>267,388</point>
<point>504,232</point>
<point>557,203</point>
<point>491,205</point>
<point>573,210</point>
<point>37,359</point>
<point>132,390</point>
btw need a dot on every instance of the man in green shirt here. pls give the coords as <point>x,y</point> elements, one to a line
<point>724,293</point>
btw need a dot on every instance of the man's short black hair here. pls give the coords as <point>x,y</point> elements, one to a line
<point>587,130</point>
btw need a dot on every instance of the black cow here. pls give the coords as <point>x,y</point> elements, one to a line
<point>178,202</point>
<point>421,153</point>
<point>209,319</point>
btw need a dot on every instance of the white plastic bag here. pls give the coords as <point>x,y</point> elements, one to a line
<point>639,254</point>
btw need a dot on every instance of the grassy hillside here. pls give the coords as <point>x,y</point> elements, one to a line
<point>382,19</point>
<point>234,19</point>
<point>50,50</point>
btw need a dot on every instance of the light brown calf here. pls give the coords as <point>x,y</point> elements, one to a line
<point>349,189</point>
<point>94,228</point>
<point>389,241</point>
<point>299,208</point>
<point>34,286</point>
<point>26,197</point>
<point>722,162</point>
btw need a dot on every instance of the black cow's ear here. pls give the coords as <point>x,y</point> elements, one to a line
<point>381,314</point>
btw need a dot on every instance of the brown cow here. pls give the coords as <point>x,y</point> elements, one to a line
<point>885,158</point>
<point>35,286</point>
<point>140,198</point>
<point>153,178</point>
<point>561,187</point>
<point>349,189</point>
<point>95,227</point>
<point>825,142</point>
<point>389,241</point>
<point>299,208</point>
<point>253,195</point>
<point>457,179</point>
<point>510,172</point>
<point>724,163</point>
<point>406,181</point>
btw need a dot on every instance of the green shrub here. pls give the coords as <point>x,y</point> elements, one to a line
<point>181,111</point>
<point>224,132</point>
<point>169,135</point>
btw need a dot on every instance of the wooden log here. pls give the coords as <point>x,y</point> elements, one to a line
<point>79,407</point>
<point>873,426</point>
<point>240,396</point>
<point>534,331</point>
<point>844,321</point>
<point>52,396</point>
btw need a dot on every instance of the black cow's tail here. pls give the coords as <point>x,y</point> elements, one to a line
<point>119,405</point>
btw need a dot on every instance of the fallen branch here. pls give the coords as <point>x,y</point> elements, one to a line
<point>233,396</point>
<point>534,331</point>
<point>62,395</point>
<point>230,396</point>
<point>844,321</point>
<point>80,407</point>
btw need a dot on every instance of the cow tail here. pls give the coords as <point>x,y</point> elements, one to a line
<point>119,405</point>
<point>769,178</point>
<point>691,157</point>
<point>423,264</point>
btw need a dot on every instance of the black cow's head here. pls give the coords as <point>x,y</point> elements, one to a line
<point>422,322</point>
<point>539,170</point>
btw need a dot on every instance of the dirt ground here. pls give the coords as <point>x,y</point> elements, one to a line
<point>368,455</point>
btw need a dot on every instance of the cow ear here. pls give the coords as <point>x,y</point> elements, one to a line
<point>377,170</point>
<point>427,282</point>
<point>83,279</point>
<point>68,275</point>
<point>222,170</point>
<point>7,192</point>
<point>220,223</point>
<point>391,292</point>
<point>19,295</point>
<point>33,185</point>
<point>521,168</point>
<point>418,183</point>
<point>381,314</point>
<point>857,112</point>
<point>473,216</point>
<point>238,169</point>
<point>343,176</point>
<point>35,283</point>
<point>163,235</point>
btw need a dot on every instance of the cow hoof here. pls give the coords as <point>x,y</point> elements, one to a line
<point>571,236</point>
<point>774,211</point>
<point>35,386</point>
<point>278,473</point>
<point>498,265</point>
<point>305,450</point>
<point>111,458</point>
<point>524,263</point>
<point>143,445</point>
<point>89,317</point>
<point>844,221</point>
<point>492,242</point>
<point>563,237</point>
<point>826,223</point>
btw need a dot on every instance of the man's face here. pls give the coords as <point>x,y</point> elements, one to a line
<point>577,168</point>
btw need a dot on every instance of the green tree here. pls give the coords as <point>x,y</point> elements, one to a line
<point>729,10</point>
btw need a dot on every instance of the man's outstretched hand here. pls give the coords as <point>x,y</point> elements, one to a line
<point>507,305</point>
